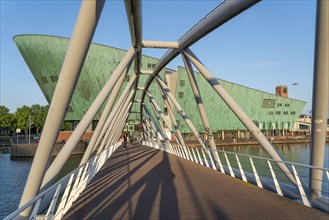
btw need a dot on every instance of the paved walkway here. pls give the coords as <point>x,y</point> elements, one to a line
<point>144,183</point>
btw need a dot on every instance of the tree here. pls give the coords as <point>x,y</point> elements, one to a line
<point>66,126</point>
<point>38,116</point>
<point>23,115</point>
<point>7,119</point>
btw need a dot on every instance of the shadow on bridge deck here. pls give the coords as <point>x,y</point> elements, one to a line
<point>144,183</point>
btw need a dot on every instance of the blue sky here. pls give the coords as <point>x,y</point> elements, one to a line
<point>270,44</point>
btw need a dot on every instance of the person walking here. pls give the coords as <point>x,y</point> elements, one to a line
<point>125,141</point>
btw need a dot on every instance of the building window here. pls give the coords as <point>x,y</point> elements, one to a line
<point>285,113</point>
<point>182,83</point>
<point>181,95</point>
<point>168,71</point>
<point>149,65</point>
<point>70,109</point>
<point>44,79</point>
<point>54,78</point>
<point>286,105</point>
<point>278,113</point>
<point>270,113</point>
<point>279,105</point>
<point>293,113</point>
<point>268,103</point>
<point>153,65</point>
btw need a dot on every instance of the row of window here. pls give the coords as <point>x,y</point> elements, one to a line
<point>263,125</point>
<point>279,113</point>
<point>285,105</point>
<point>44,79</point>
<point>270,103</point>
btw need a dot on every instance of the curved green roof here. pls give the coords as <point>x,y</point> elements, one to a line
<point>44,56</point>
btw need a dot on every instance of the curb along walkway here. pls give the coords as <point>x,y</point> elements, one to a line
<point>145,183</point>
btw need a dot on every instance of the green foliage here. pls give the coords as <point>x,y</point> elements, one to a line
<point>38,116</point>
<point>7,119</point>
<point>66,126</point>
<point>23,117</point>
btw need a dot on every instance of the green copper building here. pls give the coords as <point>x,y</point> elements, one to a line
<point>44,56</point>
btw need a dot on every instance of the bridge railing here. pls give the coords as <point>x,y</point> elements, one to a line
<point>259,171</point>
<point>66,190</point>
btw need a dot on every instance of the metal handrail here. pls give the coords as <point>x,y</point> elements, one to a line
<point>270,159</point>
<point>273,184</point>
<point>42,194</point>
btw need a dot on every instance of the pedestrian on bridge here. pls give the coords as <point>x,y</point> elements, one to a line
<point>125,141</point>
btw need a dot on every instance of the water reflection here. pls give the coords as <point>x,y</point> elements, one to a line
<point>14,172</point>
<point>298,153</point>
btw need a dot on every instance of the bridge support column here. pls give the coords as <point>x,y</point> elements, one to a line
<point>186,119</point>
<point>173,120</point>
<point>69,146</point>
<point>108,123</point>
<point>320,97</point>
<point>201,108</point>
<point>242,116</point>
<point>120,107</point>
<point>158,129</point>
<point>104,116</point>
<point>86,23</point>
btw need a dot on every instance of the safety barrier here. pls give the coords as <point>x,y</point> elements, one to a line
<point>67,190</point>
<point>259,171</point>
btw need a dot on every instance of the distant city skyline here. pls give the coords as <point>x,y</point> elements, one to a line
<point>268,45</point>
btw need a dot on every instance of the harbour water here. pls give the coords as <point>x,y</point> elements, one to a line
<point>14,171</point>
<point>13,175</point>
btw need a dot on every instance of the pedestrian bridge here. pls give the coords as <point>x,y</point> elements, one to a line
<point>146,183</point>
<point>164,177</point>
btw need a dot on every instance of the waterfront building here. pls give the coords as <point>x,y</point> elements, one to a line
<point>274,114</point>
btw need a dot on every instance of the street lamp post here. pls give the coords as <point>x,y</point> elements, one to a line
<point>30,130</point>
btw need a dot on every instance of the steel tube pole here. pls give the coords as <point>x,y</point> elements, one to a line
<point>201,108</point>
<point>186,119</point>
<point>118,105</point>
<point>69,146</point>
<point>158,110</point>
<point>320,97</point>
<point>122,107</point>
<point>158,129</point>
<point>159,44</point>
<point>242,116</point>
<point>120,119</point>
<point>159,122</point>
<point>86,23</point>
<point>226,11</point>
<point>104,116</point>
<point>173,119</point>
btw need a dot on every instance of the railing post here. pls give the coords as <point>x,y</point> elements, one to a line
<point>276,183</point>
<point>229,166</point>
<point>241,169</point>
<point>300,188</point>
<point>259,183</point>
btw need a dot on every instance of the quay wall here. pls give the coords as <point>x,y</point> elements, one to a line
<point>28,150</point>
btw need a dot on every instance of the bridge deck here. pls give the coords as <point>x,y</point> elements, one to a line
<point>144,183</point>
